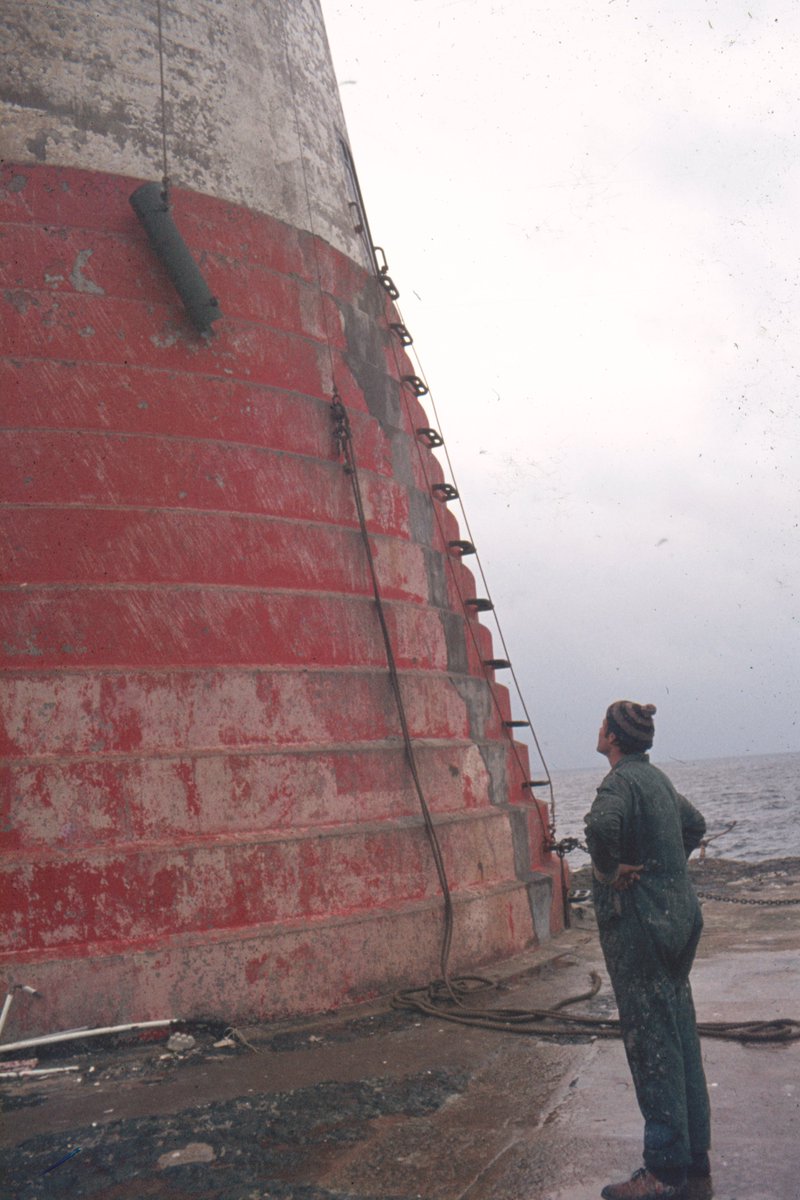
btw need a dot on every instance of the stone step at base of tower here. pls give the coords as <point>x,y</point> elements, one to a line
<point>272,971</point>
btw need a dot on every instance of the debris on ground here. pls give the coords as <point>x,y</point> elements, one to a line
<point>195,1152</point>
<point>181,1042</point>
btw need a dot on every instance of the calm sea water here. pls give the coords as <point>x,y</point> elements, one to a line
<point>760,792</point>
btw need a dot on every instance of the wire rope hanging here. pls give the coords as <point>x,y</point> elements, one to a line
<point>165,176</point>
<point>446,492</point>
<point>151,205</point>
<point>344,443</point>
<point>307,192</point>
<point>432,438</point>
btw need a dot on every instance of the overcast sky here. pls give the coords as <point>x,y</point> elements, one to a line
<point>592,211</point>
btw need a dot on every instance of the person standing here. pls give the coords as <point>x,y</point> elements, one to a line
<point>640,833</point>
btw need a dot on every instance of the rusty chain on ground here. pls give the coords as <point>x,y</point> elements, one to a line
<point>582,897</point>
<point>748,900</point>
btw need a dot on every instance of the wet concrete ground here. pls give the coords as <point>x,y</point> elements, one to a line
<point>377,1103</point>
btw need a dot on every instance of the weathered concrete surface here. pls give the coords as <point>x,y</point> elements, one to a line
<point>375,1103</point>
<point>251,111</point>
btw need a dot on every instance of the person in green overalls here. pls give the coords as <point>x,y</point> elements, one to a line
<point>640,833</point>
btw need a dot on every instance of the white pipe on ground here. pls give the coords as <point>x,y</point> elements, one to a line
<point>73,1034</point>
<point>36,1071</point>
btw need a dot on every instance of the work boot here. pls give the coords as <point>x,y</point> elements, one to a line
<point>644,1185</point>
<point>699,1187</point>
<point>700,1166</point>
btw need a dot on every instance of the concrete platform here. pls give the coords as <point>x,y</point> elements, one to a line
<point>380,1103</point>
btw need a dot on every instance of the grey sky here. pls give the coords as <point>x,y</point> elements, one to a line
<point>590,210</point>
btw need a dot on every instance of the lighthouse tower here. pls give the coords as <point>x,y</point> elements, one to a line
<point>234,671</point>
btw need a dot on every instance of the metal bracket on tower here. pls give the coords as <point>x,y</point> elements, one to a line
<point>400,330</point>
<point>479,604</point>
<point>444,492</point>
<point>358,226</point>
<point>383,274</point>
<point>460,547</point>
<point>417,386</point>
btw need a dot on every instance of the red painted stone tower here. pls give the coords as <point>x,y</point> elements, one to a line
<point>206,803</point>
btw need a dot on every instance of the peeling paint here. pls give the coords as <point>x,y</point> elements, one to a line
<point>25,649</point>
<point>38,146</point>
<point>78,279</point>
<point>164,340</point>
<point>21,300</point>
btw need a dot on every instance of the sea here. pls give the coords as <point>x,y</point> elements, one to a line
<point>761,793</point>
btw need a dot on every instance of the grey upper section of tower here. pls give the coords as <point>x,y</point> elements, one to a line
<point>247,85</point>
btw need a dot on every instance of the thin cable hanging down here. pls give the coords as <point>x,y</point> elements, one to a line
<point>307,191</point>
<point>445,492</point>
<point>165,176</point>
<point>344,441</point>
<point>151,204</point>
<point>433,439</point>
<point>506,660</point>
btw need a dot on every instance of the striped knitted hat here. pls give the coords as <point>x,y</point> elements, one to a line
<point>632,722</point>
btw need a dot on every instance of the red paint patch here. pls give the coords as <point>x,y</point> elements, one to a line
<point>207,755</point>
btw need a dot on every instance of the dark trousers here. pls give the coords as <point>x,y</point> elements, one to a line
<point>659,1030</point>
